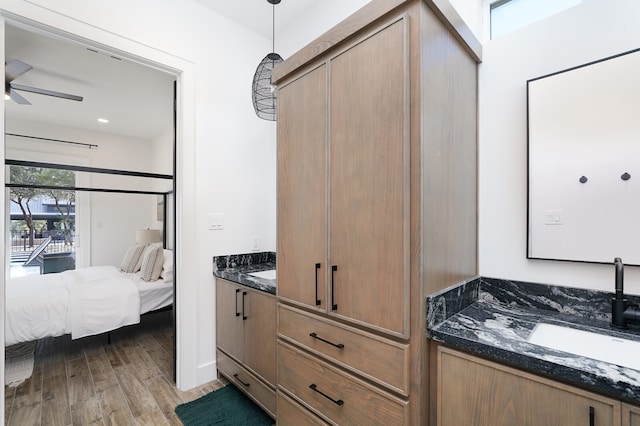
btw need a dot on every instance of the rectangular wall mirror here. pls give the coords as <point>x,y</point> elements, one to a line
<point>584,162</point>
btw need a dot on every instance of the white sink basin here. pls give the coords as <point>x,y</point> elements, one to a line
<point>610,349</point>
<point>269,275</point>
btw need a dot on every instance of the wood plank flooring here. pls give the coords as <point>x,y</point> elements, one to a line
<point>91,382</point>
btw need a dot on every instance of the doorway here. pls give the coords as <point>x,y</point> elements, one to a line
<point>32,123</point>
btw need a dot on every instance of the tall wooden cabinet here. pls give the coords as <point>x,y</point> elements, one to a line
<point>348,193</point>
<point>376,209</point>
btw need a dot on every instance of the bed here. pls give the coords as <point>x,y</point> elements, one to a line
<point>84,302</point>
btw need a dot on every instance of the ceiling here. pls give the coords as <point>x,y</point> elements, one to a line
<point>257,15</point>
<point>137,100</point>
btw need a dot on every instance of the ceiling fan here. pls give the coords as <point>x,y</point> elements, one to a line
<point>15,69</point>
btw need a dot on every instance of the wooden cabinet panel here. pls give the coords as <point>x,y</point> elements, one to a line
<point>260,335</point>
<point>302,213</point>
<point>381,360</point>
<point>369,181</point>
<point>290,413</point>
<point>334,394</point>
<point>630,415</point>
<point>474,391</point>
<point>264,396</point>
<point>229,324</point>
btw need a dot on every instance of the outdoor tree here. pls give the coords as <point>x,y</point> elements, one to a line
<point>22,196</point>
<point>64,199</point>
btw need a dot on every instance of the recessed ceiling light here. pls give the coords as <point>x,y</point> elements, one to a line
<point>6,97</point>
<point>103,120</point>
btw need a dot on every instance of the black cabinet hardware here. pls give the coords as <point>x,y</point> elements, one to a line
<point>237,291</point>
<point>318,301</point>
<point>337,345</point>
<point>334,306</point>
<point>240,380</point>
<point>315,388</point>
<point>244,295</point>
<point>592,416</point>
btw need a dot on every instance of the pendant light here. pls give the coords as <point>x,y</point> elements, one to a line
<point>263,92</point>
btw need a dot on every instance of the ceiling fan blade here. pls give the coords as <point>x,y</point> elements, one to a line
<point>15,69</point>
<point>18,98</point>
<point>46,92</point>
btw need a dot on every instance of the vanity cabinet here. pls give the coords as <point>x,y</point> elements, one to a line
<point>630,415</point>
<point>471,390</point>
<point>376,207</point>
<point>246,340</point>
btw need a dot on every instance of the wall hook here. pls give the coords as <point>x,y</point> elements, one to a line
<point>625,176</point>
<point>583,179</point>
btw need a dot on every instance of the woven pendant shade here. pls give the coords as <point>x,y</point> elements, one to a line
<point>265,100</point>
<point>263,93</point>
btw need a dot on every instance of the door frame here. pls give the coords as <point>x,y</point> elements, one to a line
<point>54,24</point>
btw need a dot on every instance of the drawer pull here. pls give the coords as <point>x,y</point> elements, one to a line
<point>318,301</point>
<point>315,336</point>
<point>313,386</point>
<point>240,380</point>
<point>592,416</point>
<point>244,295</point>
<point>237,291</point>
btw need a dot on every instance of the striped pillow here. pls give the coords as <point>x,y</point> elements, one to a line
<point>132,258</point>
<point>152,263</point>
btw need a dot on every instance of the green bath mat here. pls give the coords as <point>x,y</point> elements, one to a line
<point>225,407</point>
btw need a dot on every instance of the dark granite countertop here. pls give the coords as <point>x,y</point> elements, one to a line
<point>237,267</point>
<point>494,318</point>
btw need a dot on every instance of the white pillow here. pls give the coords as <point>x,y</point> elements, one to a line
<point>133,258</point>
<point>167,266</point>
<point>151,262</point>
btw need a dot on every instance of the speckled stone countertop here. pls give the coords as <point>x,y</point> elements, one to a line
<point>494,318</point>
<point>237,267</point>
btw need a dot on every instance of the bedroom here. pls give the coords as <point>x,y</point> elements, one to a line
<point>109,217</point>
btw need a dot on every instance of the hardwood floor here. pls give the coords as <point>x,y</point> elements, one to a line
<point>91,382</point>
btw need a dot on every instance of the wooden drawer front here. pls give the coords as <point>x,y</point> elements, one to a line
<point>244,380</point>
<point>335,395</point>
<point>291,413</point>
<point>378,359</point>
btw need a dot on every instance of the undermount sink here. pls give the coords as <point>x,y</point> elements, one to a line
<point>269,274</point>
<point>602,347</point>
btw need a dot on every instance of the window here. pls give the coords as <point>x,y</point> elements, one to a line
<point>509,15</point>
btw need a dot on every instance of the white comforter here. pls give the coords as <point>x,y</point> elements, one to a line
<point>81,302</point>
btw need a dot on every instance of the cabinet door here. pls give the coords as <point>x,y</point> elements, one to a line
<point>472,391</point>
<point>630,415</point>
<point>260,335</point>
<point>369,181</point>
<point>302,220</point>
<point>229,327</point>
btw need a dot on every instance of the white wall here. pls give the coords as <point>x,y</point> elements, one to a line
<point>584,33</point>
<point>322,17</point>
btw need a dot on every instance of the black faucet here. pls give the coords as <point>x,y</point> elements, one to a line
<point>620,313</point>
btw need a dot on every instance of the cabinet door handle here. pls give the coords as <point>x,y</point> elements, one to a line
<point>244,295</point>
<point>592,416</point>
<point>315,388</point>
<point>334,306</point>
<point>338,345</point>
<point>240,380</point>
<point>237,291</point>
<point>318,301</point>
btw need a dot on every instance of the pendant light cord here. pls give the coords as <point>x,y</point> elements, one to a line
<point>273,28</point>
